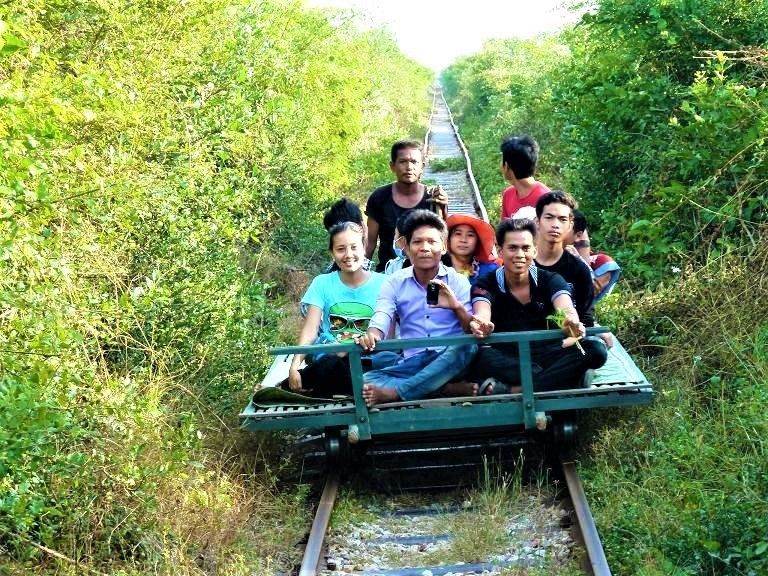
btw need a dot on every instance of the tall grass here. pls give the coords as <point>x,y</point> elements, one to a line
<point>682,487</point>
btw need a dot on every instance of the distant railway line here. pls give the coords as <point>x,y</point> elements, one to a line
<point>443,143</point>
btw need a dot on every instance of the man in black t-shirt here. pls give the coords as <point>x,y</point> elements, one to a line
<point>554,218</point>
<point>519,297</point>
<point>388,203</point>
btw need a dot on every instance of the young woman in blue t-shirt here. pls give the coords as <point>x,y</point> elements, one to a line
<point>338,308</point>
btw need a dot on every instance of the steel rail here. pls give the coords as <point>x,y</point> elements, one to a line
<point>441,119</point>
<point>479,205</point>
<point>320,524</point>
<point>586,523</point>
<point>432,109</point>
<point>314,546</point>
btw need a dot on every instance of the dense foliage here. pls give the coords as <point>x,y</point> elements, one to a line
<point>158,162</point>
<point>654,114</point>
<point>506,89</point>
<point>682,487</point>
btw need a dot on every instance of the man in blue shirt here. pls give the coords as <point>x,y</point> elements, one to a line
<point>404,296</point>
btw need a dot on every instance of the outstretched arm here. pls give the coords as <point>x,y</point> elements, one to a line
<point>571,325</point>
<point>480,325</point>
<point>307,335</point>
<point>368,340</point>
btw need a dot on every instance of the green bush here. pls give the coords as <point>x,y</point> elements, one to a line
<point>157,160</point>
<point>684,485</point>
<point>504,90</point>
<point>653,115</point>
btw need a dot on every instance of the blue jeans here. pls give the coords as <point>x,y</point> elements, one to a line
<point>383,359</point>
<point>424,372</point>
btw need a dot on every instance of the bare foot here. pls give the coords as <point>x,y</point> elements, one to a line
<point>378,395</point>
<point>461,388</point>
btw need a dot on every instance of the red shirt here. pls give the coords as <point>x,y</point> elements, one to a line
<point>510,203</point>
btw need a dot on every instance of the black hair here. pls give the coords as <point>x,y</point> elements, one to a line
<point>579,221</point>
<point>417,219</point>
<point>555,197</point>
<point>404,145</point>
<point>520,153</point>
<point>515,225</point>
<point>337,229</point>
<point>401,220</point>
<point>343,210</point>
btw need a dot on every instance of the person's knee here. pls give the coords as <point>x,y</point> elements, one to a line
<point>490,362</point>
<point>467,353</point>
<point>455,357</point>
<point>596,351</point>
<point>385,359</point>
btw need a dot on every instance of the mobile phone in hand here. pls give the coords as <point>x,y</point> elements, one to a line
<point>433,291</point>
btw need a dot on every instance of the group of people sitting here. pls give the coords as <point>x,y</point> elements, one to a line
<point>446,275</point>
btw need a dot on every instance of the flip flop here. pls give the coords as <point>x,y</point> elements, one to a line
<point>487,384</point>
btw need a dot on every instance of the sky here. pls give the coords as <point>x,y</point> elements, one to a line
<point>436,32</point>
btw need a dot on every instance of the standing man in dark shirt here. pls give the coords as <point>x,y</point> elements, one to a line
<point>519,297</point>
<point>388,203</point>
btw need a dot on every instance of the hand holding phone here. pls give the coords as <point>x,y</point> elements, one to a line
<point>433,292</point>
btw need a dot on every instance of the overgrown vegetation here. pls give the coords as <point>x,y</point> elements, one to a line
<point>653,114</point>
<point>162,162</point>
<point>447,165</point>
<point>159,163</point>
<point>682,486</point>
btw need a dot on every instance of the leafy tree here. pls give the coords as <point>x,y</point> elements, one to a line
<point>155,158</point>
<point>652,100</point>
<point>654,117</point>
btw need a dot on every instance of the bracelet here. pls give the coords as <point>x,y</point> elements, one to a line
<point>582,244</point>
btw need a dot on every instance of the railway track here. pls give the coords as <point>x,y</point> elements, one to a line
<point>397,539</point>
<point>458,533</point>
<point>444,147</point>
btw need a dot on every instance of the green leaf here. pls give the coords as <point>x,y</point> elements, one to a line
<point>10,44</point>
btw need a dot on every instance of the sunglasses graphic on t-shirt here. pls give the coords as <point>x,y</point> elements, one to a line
<point>349,319</point>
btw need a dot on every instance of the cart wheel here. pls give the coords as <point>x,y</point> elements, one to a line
<point>336,447</point>
<point>564,434</point>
